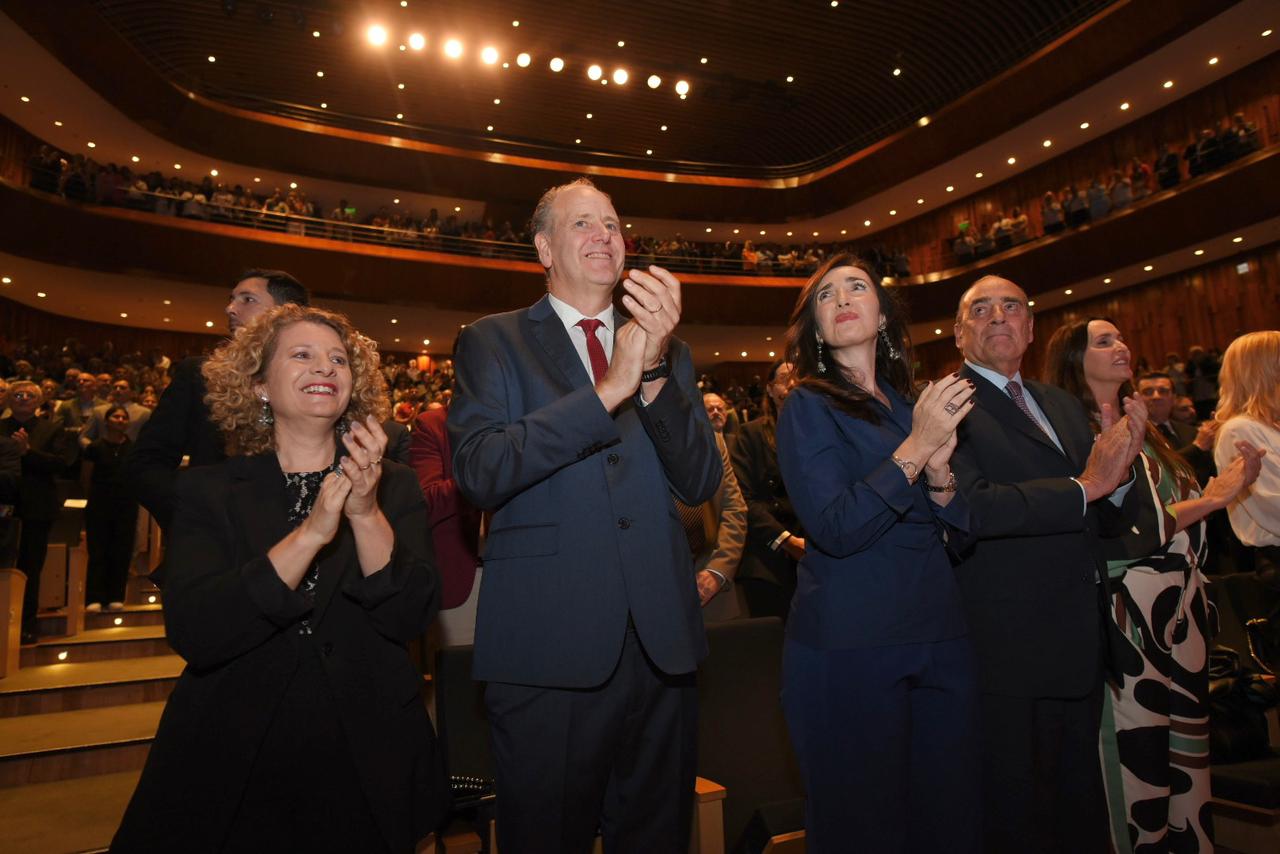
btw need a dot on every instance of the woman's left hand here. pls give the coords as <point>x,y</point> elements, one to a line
<point>1238,476</point>
<point>366,443</point>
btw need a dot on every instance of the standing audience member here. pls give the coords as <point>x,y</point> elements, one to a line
<point>121,396</point>
<point>1040,491</point>
<point>775,537</point>
<point>46,452</point>
<point>574,428</point>
<point>78,411</point>
<point>180,425</point>
<point>1249,411</point>
<point>716,531</point>
<point>879,680</point>
<point>1155,724</point>
<point>298,570</point>
<point>111,515</point>
<point>10,472</point>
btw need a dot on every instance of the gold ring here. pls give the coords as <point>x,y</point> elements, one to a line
<point>364,468</point>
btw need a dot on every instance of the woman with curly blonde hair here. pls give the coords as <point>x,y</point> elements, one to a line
<point>1249,412</point>
<point>298,570</point>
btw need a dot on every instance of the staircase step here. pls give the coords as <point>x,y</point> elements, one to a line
<point>132,615</point>
<point>66,817</point>
<point>88,685</point>
<point>66,745</point>
<point>98,645</point>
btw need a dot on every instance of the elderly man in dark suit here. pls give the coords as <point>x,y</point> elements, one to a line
<point>575,427</point>
<point>180,426</point>
<point>1042,492</point>
<point>46,451</point>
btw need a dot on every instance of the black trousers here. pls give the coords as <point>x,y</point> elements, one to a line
<point>767,598</point>
<point>1042,778</point>
<point>110,531</point>
<point>618,759</point>
<point>33,546</point>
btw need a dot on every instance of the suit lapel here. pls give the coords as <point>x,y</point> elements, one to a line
<point>1002,408</point>
<point>550,334</point>
<point>260,505</point>
<point>1060,421</point>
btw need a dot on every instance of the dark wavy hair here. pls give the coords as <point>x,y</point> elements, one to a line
<point>1064,367</point>
<point>834,383</point>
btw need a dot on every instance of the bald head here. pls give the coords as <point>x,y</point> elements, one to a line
<point>993,325</point>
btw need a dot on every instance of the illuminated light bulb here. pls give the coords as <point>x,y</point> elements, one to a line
<point>417,41</point>
<point>556,64</point>
<point>489,56</point>
<point>977,174</point>
<point>1237,240</point>
<point>1125,105</point>
<point>1213,60</point>
<point>1199,252</point>
<point>682,87</point>
<point>208,324</point>
<point>1148,268</point>
<point>1047,143</point>
<point>377,35</point>
<point>453,48</point>
<point>426,342</point>
<point>319,73</point>
<point>62,656</point>
<point>213,172</point>
<point>135,158</point>
<point>119,621</point>
<point>124,314</point>
<point>523,60</point>
<point>151,600</point>
<point>92,144</point>
<point>867,223</point>
<point>620,76</point>
<point>1012,160</point>
<point>744,354</point>
<point>177,166</point>
<point>937,332</point>
<point>57,123</point>
<point>213,58</point>
<point>1084,126</point>
<point>1105,281</point>
<point>1168,84</point>
<point>594,72</point>
<point>654,81</point>
<point>950,188</point>
<point>400,86</point>
<point>497,101</point>
<point>41,294</point>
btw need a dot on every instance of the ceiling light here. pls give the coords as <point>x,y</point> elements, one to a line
<point>165,319</point>
<point>717,353</point>
<point>977,174</point>
<point>124,314</point>
<point>628,225</point>
<point>654,81</point>
<point>395,202</point>
<point>1266,33</point>
<point>315,34</point>
<point>257,180</point>
<point>489,128</point>
<point>417,41</point>
<point>663,128</point>
<point>400,86</point>
<point>293,185</point>
<point>682,97</point>
<point>1213,60</point>
<point>91,144</point>
<point>1012,160</point>
<point>515,23</point>
<point>950,188</point>
<point>790,79</point>
<point>1168,84</point>
<point>708,232</point>
<point>867,223</point>
<point>426,342</point>
<point>789,233</point>
<point>588,115</point>
<point>1148,268</point>
<point>1084,126</point>
<point>41,294</point>
<point>57,123</point>
<point>168,302</point>
<point>319,73</point>
<point>119,621</point>
<point>834,3</point>
<point>324,105</point>
<point>489,56</point>
<point>453,48</point>
<point>1237,240</point>
<point>394,320</point>
<point>772,353</point>
<point>523,60</point>
<point>815,234</point>
<point>397,340</point>
<point>404,4</point>
<point>1031,303</point>
<point>1105,281</point>
<point>594,72</point>
<point>1067,291</point>
<point>682,87</point>
<point>402,48</point>
<point>457,208</point>
<point>621,43</point>
<point>208,323</point>
<point>893,213</point>
<point>648,151</point>
<point>557,64</point>
<point>577,142</point>
<point>762,232</point>
<point>620,76</point>
<point>923,121</point>
<point>735,231</point>
<point>1199,252</point>
<point>177,166</point>
<point>377,35</point>
<point>1125,105</point>
<point>744,354</point>
<point>213,58</point>
<point>604,81</point>
<point>135,158</point>
<point>1047,143</point>
<point>213,172</point>
<point>497,101</point>
<point>937,332</point>
<point>8,281</point>
<point>919,201</point>
<point>399,115</point>
<point>703,60</point>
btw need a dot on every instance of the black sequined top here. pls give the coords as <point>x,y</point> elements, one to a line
<point>303,487</point>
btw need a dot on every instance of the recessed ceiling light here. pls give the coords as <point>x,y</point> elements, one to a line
<point>937,332</point>
<point>923,121</point>
<point>919,201</point>
<point>762,232</point>
<point>5,280</point>
<point>208,323</point>
<point>1198,252</point>
<point>556,64</point>
<point>426,342</point>
<point>177,166</point>
<point>41,294</point>
<point>621,43</point>
<point>815,234</point>
<point>24,99</point>
<point>400,86</point>
<point>703,60</point>
<point>213,58</point>
<point>790,79</point>
<point>1105,281</point>
<point>897,72</point>
<point>716,353</point>
<point>315,34</point>
<point>682,88</point>
<point>1148,268</point>
<point>523,60</point>
<point>867,223</point>
<point>417,41</point>
<point>594,72</point>
<point>324,105</point>
<point>1012,160</point>
<point>772,354</point>
<point>489,56</point>
<point>648,151</point>
<point>1047,143</point>
<point>257,180</point>
<point>124,314</point>
<point>1237,240</point>
<point>1067,291</point>
<point>457,208</point>
<point>588,115</point>
<point>628,225</point>
<point>453,48</point>
<point>708,229</point>
<point>654,81</point>
<point>213,172</point>
<point>91,144</point>
<point>1213,60</point>
<point>620,76</point>
<point>319,73</point>
<point>744,354</point>
<point>951,188</point>
<point>497,101</point>
<point>402,47</point>
<point>1031,303</point>
<point>1125,105</point>
<point>395,202</point>
<point>166,320</point>
<point>735,231</point>
<point>399,115</point>
<point>515,23</point>
<point>397,340</point>
<point>893,213</point>
<point>977,174</point>
<point>395,320</point>
<point>1084,126</point>
<point>683,97</point>
<point>1168,84</point>
<point>135,158</point>
<point>168,302</point>
<point>1266,33</point>
<point>489,128</point>
<point>577,142</point>
<point>842,231</point>
<point>293,185</point>
<point>57,123</point>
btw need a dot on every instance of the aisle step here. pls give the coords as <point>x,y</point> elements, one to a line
<point>99,645</point>
<point>83,743</point>
<point>93,684</point>
<point>53,623</point>
<point>67,817</point>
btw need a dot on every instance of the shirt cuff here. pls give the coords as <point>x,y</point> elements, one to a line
<point>1084,498</point>
<point>779,540</point>
<point>724,582</point>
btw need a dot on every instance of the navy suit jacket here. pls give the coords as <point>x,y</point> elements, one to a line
<point>583,529</point>
<point>875,570</point>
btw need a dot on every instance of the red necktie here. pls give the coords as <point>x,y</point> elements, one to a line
<point>595,350</point>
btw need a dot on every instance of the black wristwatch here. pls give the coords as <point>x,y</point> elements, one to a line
<point>659,373</point>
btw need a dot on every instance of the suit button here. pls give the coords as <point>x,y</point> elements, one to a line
<point>326,648</point>
<point>613,459</point>
<point>624,523</point>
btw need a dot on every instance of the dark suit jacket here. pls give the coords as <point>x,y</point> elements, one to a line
<point>178,427</point>
<point>52,451</point>
<point>1029,582</point>
<point>397,441</point>
<point>875,570</point>
<point>769,510</point>
<point>455,524</point>
<point>583,530</point>
<point>236,623</point>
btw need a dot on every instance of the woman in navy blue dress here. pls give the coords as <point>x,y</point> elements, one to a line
<point>879,681</point>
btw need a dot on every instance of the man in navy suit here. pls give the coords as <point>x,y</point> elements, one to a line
<point>573,427</point>
<point>1042,492</point>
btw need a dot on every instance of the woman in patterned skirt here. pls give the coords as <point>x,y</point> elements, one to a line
<point>1155,729</point>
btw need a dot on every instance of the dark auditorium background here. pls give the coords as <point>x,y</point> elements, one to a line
<point>1116,158</point>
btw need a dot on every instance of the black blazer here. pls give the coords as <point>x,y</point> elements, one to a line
<point>235,622</point>
<point>178,427</point>
<point>1029,581</point>
<point>52,451</point>
<point>769,510</point>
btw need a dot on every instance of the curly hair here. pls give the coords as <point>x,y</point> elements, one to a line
<point>233,369</point>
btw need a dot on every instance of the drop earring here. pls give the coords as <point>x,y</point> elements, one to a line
<point>822,368</point>
<point>266,417</point>
<point>890,350</point>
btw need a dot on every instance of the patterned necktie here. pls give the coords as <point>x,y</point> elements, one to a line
<point>595,350</point>
<point>1015,391</point>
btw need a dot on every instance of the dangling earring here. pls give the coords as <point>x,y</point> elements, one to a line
<point>888,345</point>
<point>266,417</point>
<point>343,425</point>
<point>822,369</point>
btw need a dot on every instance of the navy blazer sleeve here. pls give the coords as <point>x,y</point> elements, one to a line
<point>153,461</point>
<point>846,494</point>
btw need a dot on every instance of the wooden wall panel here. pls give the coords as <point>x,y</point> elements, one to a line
<point>1209,306</point>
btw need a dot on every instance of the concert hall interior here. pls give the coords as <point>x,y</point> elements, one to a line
<point>1112,161</point>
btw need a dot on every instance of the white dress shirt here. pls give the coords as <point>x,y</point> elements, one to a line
<point>570,316</point>
<point>1255,517</point>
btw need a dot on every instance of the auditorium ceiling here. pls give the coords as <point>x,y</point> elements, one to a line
<point>773,88</point>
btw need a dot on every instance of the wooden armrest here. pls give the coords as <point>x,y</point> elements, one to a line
<point>706,790</point>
